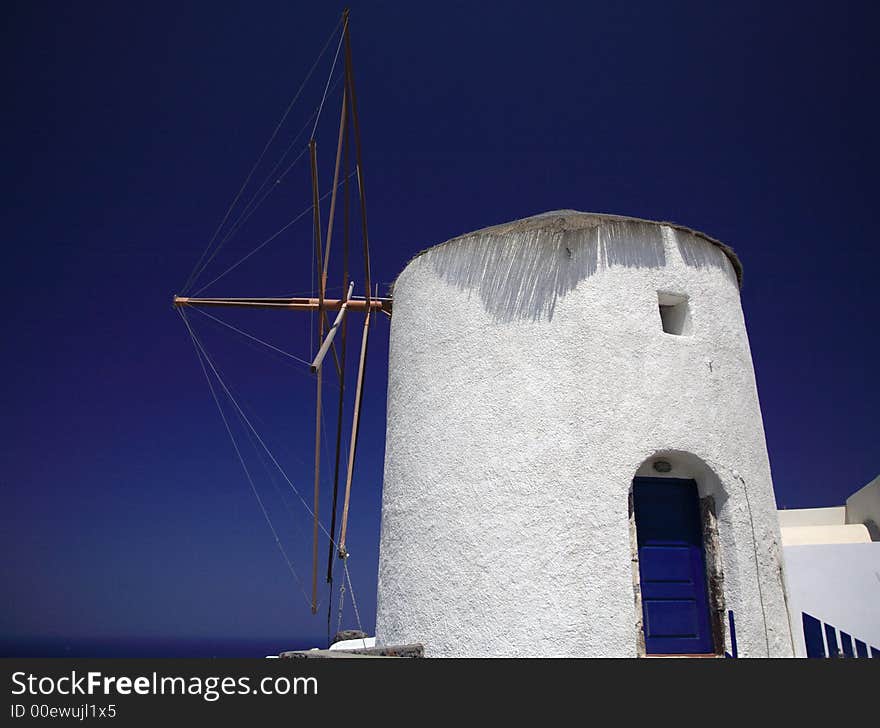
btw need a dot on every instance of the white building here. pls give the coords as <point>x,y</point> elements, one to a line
<point>832,565</point>
<point>575,455</point>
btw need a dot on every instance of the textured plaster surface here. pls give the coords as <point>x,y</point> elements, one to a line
<point>529,380</point>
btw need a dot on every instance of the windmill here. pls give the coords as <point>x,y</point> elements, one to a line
<point>332,337</point>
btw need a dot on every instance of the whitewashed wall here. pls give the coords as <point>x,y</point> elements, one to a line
<point>529,380</point>
<point>837,584</point>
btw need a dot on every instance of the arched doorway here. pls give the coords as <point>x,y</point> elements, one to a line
<point>674,589</point>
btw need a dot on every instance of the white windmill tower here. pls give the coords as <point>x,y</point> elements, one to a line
<point>575,455</point>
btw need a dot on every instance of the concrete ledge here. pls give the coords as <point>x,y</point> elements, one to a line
<point>415,650</point>
<point>810,535</point>
<point>801,517</point>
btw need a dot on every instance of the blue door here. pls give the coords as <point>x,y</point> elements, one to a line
<point>672,567</point>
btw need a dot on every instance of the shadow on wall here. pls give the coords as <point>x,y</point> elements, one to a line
<point>522,273</point>
<point>698,253</point>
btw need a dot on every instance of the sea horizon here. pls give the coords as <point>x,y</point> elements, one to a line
<point>137,647</point>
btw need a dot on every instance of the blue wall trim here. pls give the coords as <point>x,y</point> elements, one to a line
<point>733,648</point>
<point>813,629</point>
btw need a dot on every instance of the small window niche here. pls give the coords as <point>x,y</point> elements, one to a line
<point>675,314</point>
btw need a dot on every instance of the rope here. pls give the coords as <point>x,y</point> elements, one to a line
<point>297,368</point>
<point>252,429</point>
<point>341,605</point>
<point>287,151</point>
<point>200,350</point>
<point>262,154</point>
<point>255,417</point>
<point>281,495</point>
<point>253,338</point>
<point>241,460</point>
<point>250,207</point>
<point>354,603</point>
<point>332,68</point>
<point>248,210</point>
<point>261,245</point>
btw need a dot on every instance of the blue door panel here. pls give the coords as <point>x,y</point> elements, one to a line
<point>668,563</point>
<point>661,590</point>
<point>672,566</point>
<point>672,618</point>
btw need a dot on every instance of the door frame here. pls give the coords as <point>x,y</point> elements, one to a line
<point>713,573</point>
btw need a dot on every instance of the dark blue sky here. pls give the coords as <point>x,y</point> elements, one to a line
<point>127,525</point>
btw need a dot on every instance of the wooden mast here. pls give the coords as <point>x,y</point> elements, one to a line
<point>313,154</point>
<point>355,303</point>
<point>369,303</point>
<point>349,84</point>
<point>346,234</point>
